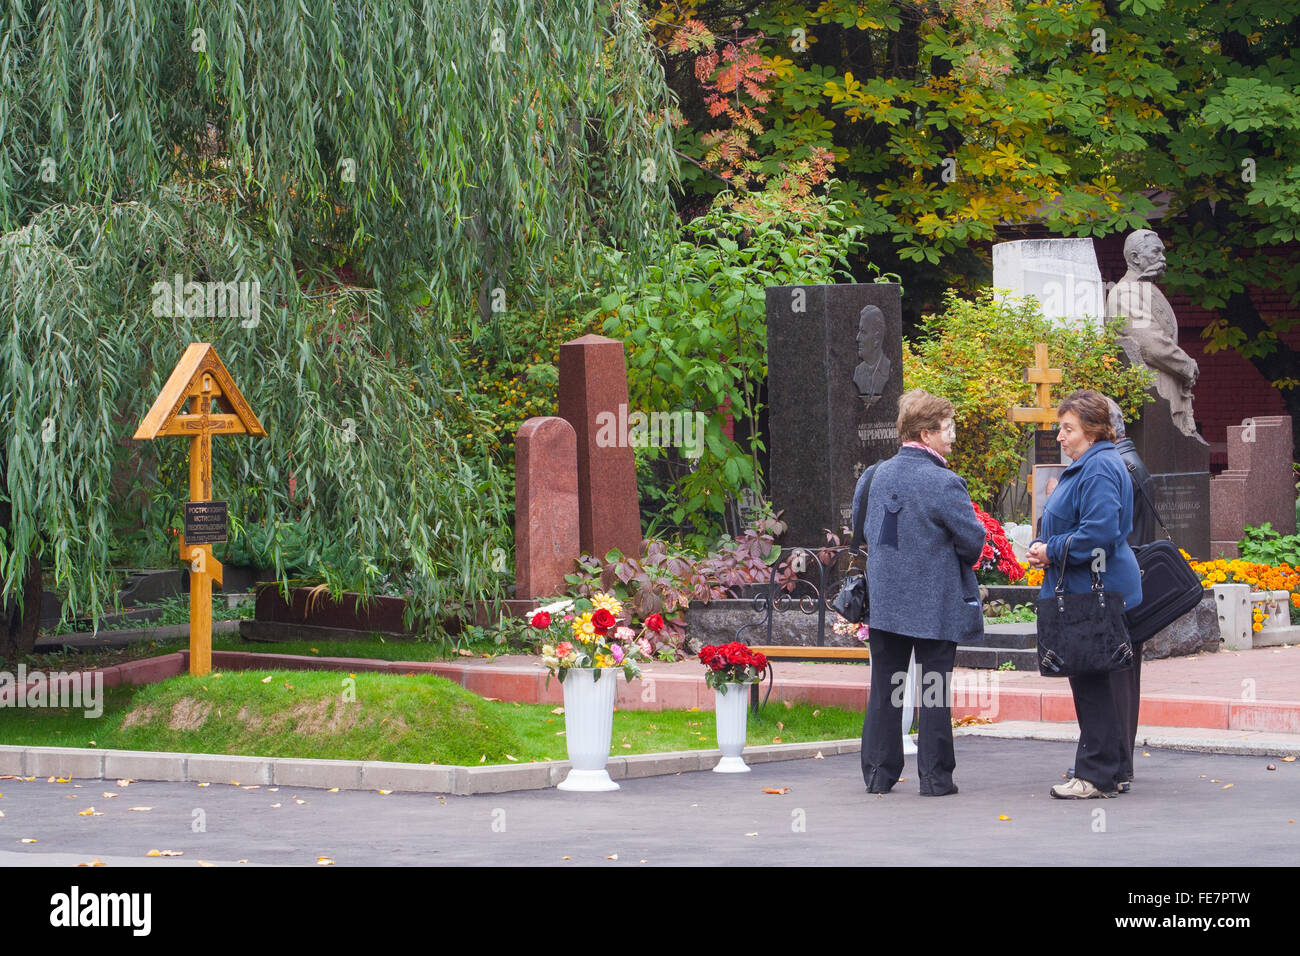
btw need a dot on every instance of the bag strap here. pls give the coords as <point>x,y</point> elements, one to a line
<point>1059,589</point>
<point>1145,497</point>
<point>856,540</point>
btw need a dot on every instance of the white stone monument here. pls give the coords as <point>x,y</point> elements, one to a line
<point>1062,274</point>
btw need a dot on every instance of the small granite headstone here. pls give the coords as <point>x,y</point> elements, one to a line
<point>1259,485</point>
<point>593,382</point>
<point>1061,274</point>
<point>546,506</point>
<point>835,374</point>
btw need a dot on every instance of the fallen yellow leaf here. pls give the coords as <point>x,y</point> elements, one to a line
<point>299,802</point>
<point>751,834</point>
<point>776,789</point>
<point>138,809</point>
<point>90,812</point>
<point>274,806</point>
<point>125,782</point>
<point>512,759</point>
<point>1003,816</point>
<point>1289,758</point>
<point>558,710</point>
<point>205,785</point>
<point>776,740</point>
<point>107,795</point>
<point>612,856</point>
<point>385,792</point>
<point>333,790</point>
<point>566,858</point>
<point>266,679</point>
<point>818,756</point>
<point>165,853</point>
<point>27,840</point>
<point>95,862</point>
<point>324,861</point>
<point>1227,786</point>
<point>205,862</point>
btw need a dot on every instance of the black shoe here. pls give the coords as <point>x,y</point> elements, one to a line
<point>928,789</point>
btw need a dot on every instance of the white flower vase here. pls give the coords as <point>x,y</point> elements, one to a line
<point>588,723</point>
<point>732,712</point>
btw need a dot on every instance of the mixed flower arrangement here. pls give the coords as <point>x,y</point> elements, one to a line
<point>732,663</point>
<point>593,636</point>
<point>997,559</point>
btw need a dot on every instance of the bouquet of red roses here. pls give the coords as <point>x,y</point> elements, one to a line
<point>997,558</point>
<point>732,663</point>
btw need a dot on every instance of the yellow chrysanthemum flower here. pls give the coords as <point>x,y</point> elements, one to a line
<point>607,601</point>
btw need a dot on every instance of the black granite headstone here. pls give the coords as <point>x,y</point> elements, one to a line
<point>1184,505</point>
<point>1180,466</point>
<point>831,411</point>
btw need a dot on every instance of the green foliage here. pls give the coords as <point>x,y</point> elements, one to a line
<point>975,354</point>
<point>390,171</point>
<point>950,119</point>
<point>1263,545</point>
<point>695,328</point>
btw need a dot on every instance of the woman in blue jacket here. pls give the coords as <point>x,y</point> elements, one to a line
<point>923,539</point>
<point>1091,510</point>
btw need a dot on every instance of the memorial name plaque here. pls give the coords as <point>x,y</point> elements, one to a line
<point>1046,449</point>
<point>205,522</point>
<point>1183,501</point>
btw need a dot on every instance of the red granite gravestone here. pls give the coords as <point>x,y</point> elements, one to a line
<point>546,506</point>
<point>1258,486</point>
<point>593,381</point>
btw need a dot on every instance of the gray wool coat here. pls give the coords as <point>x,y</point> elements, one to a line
<point>922,539</point>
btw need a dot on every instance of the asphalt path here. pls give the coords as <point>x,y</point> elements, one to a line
<point>1185,809</point>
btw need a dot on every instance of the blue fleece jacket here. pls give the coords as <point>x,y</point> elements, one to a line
<point>1092,507</point>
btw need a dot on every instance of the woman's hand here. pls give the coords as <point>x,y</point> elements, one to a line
<point>1038,555</point>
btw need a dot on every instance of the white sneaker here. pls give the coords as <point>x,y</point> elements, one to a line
<point>1077,789</point>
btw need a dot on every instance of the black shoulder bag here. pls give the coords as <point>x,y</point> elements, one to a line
<point>1170,588</point>
<point>854,598</point>
<point>1081,633</point>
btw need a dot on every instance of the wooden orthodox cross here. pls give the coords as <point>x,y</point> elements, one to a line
<point>201,381</point>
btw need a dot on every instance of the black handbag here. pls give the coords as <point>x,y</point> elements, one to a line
<point>1170,588</point>
<point>853,600</point>
<point>1082,634</point>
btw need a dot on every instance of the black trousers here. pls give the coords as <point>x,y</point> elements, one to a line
<point>882,730</point>
<point>1126,686</point>
<point>1100,754</point>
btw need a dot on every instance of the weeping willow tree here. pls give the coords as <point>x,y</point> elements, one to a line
<point>383,172</point>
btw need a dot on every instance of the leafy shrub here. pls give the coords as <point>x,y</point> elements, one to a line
<point>695,327</point>
<point>1263,545</point>
<point>975,354</point>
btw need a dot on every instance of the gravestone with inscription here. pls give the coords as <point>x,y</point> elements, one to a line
<point>835,374</point>
<point>1259,485</point>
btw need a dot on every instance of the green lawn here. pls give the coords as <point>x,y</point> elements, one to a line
<point>420,719</point>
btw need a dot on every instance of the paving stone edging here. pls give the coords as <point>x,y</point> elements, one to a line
<point>92,764</point>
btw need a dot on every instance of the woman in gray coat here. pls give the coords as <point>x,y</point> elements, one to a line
<point>923,539</point>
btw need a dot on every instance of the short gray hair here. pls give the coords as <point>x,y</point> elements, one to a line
<point>1116,418</point>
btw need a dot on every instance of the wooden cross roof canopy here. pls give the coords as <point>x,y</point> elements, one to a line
<point>199,374</point>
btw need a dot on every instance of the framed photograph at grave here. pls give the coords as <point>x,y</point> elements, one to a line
<point>1042,484</point>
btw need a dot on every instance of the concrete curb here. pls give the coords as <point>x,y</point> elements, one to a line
<point>91,764</point>
<point>87,763</point>
<point>1193,739</point>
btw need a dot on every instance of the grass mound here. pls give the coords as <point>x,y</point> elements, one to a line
<point>424,719</point>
